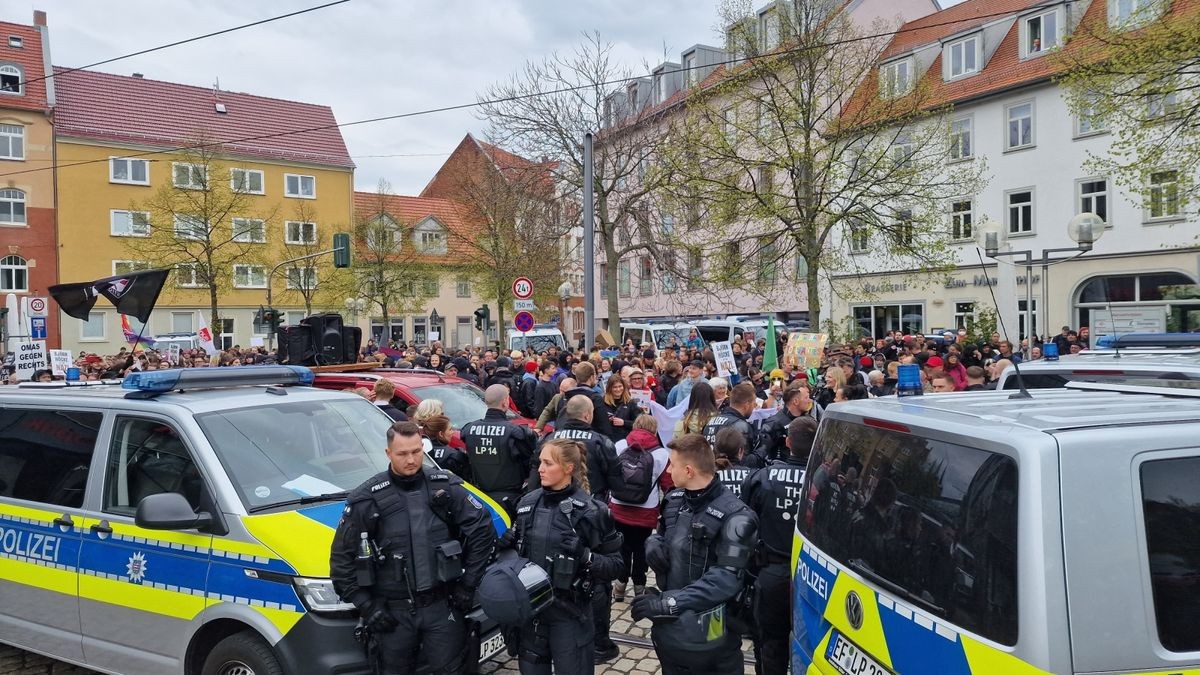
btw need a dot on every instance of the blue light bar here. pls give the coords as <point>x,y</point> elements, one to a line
<point>158,381</point>
<point>1149,340</point>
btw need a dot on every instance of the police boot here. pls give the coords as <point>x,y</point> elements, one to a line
<point>639,589</point>
<point>618,591</point>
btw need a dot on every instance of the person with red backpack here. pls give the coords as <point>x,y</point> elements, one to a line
<point>635,506</point>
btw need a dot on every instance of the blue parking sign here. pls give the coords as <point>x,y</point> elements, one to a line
<point>37,327</point>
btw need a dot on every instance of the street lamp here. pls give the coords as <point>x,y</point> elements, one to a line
<point>355,306</point>
<point>564,294</point>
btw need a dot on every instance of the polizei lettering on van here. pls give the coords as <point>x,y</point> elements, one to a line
<point>29,544</point>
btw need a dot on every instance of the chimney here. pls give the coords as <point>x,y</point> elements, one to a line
<point>138,75</point>
<point>39,17</point>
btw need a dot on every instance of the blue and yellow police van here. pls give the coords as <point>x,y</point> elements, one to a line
<point>180,521</point>
<point>984,533</point>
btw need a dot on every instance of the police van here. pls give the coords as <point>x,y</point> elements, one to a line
<point>180,521</point>
<point>1134,357</point>
<point>982,533</point>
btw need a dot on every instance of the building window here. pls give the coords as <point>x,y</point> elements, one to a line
<point>249,276</point>
<point>689,69</point>
<point>1041,33</point>
<point>190,227</point>
<point>129,223</point>
<point>1089,121</point>
<point>768,30</point>
<point>1164,195</point>
<point>12,207</point>
<point>860,236</point>
<point>249,231</point>
<point>801,268</point>
<point>304,187</point>
<point>224,333</point>
<point>964,315</point>
<point>645,277</point>
<point>903,232</point>
<point>603,280</point>
<point>383,234</point>
<point>962,144</point>
<point>14,274</point>
<point>247,180</point>
<point>1093,197</point>
<point>11,80</point>
<point>431,287</point>
<point>183,322</point>
<point>127,170</point>
<point>92,330</point>
<point>1019,211</point>
<point>1033,315</point>
<point>962,57</point>
<point>895,79</point>
<point>187,275</point>
<point>1162,103</point>
<point>881,320</point>
<point>12,141</point>
<point>302,278</point>
<point>1020,126</point>
<point>962,217</point>
<point>1132,13</point>
<point>420,334</point>
<point>431,239</point>
<point>669,283</point>
<point>624,282</point>
<point>294,319</point>
<point>462,288</point>
<point>120,267</point>
<point>189,176</point>
<point>768,262</point>
<point>300,233</point>
<point>902,150</point>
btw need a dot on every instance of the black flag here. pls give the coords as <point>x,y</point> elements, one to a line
<point>133,294</point>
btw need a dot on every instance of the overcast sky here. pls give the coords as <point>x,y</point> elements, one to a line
<point>365,58</point>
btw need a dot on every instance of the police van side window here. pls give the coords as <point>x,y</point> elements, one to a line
<point>147,457</point>
<point>1171,504</point>
<point>45,454</point>
<point>932,522</point>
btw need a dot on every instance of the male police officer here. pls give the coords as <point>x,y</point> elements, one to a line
<point>499,450</point>
<point>774,495</point>
<point>409,551</point>
<point>604,474</point>
<point>704,543</point>
<point>742,401</point>
<point>772,434</point>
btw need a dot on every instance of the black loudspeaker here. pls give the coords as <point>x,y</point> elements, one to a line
<point>351,343</point>
<point>296,346</point>
<point>326,338</point>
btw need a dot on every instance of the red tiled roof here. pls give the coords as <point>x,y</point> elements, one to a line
<point>124,109</point>
<point>409,211</point>
<point>961,17</point>
<point>28,57</point>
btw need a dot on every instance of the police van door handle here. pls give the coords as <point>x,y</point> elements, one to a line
<point>64,520</point>
<point>102,527</point>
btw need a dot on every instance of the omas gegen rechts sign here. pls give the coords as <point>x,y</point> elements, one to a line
<point>30,356</point>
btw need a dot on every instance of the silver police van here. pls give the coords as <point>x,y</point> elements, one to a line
<point>982,533</point>
<point>1133,357</point>
<point>181,521</point>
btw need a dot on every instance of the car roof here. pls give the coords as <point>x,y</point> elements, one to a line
<point>408,377</point>
<point>1047,410</point>
<point>1141,360</point>
<point>194,401</point>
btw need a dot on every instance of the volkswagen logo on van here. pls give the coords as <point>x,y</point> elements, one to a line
<point>854,610</point>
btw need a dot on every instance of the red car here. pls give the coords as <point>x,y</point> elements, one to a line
<point>463,401</point>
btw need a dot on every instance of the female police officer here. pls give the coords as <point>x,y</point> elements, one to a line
<point>562,529</point>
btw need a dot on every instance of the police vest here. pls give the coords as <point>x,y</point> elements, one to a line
<point>543,526</point>
<point>451,459</point>
<point>406,531</point>
<point>489,447</point>
<point>733,477</point>
<point>599,458</point>
<point>777,490</point>
<point>725,419</point>
<point>692,537</point>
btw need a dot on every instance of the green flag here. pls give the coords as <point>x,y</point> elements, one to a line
<point>770,355</point>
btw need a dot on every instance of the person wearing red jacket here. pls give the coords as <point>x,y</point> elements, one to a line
<point>637,521</point>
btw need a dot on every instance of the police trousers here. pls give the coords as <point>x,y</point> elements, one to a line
<point>724,659</point>
<point>436,634</point>
<point>602,615</point>
<point>772,619</point>
<point>561,637</point>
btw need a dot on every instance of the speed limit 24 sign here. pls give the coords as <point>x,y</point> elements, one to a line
<point>522,288</point>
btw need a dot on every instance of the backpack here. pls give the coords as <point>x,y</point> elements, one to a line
<point>637,468</point>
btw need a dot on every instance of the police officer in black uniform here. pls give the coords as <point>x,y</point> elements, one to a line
<point>742,401</point>
<point>730,452</point>
<point>604,474</point>
<point>499,450</point>
<point>436,430</point>
<point>705,541</point>
<point>572,536</point>
<point>409,551</point>
<point>774,495</point>
<point>772,433</point>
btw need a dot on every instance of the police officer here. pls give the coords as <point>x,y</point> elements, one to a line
<point>585,377</point>
<point>730,452</point>
<point>604,474</point>
<point>774,495</point>
<point>705,541</point>
<point>572,536</point>
<point>772,433</point>
<point>436,429</point>
<point>742,401</point>
<point>409,551</point>
<point>499,450</point>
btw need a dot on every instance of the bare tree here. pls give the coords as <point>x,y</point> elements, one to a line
<point>204,225</point>
<point>798,156</point>
<point>544,111</point>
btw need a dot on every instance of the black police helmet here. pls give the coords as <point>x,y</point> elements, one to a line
<point>513,590</point>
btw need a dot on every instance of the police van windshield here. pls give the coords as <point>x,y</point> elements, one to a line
<point>278,453</point>
<point>536,344</point>
<point>932,522</point>
<point>670,337</point>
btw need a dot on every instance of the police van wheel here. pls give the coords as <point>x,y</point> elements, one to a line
<point>242,654</point>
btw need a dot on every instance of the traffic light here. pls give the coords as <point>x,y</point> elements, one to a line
<point>267,315</point>
<point>341,250</point>
<point>482,315</point>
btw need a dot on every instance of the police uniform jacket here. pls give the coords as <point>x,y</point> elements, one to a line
<point>731,417</point>
<point>406,518</point>
<point>568,522</point>
<point>451,459</point>
<point>604,471</point>
<point>773,494</point>
<point>499,451</point>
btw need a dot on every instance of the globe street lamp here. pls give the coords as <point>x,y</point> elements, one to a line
<point>564,294</point>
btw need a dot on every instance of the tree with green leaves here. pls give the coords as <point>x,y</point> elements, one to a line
<point>799,163</point>
<point>304,237</point>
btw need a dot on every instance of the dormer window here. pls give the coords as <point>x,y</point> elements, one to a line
<point>768,31</point>
<point>10,79</point>
<point>689,69</point>
<point>896,78</point>
<point>1133,13</point>
<point>429,237</point>
<point>633,98</point>
<point>962,57</point>
<point>1041,33</point>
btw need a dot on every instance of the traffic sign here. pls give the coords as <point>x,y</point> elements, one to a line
<point>37,307</point>
<point>523,306</point>
<point>522,288</point>
<point>523,322</point>
<point>37,327</point>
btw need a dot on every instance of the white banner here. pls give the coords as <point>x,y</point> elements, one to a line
<point>723,353</point>
<point>31,357</point>
<point>60,360</point>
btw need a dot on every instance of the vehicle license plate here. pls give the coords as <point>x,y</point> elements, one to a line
<point>848,658</point>
<point>491,647</point>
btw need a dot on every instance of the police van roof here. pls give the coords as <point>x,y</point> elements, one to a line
<point>992,413</point>
<point>195,401</point>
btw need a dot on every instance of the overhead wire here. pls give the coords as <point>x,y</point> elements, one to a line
<point>520,97</point>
